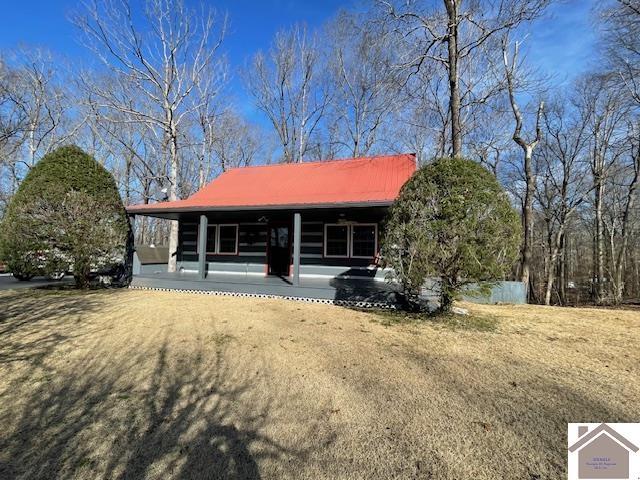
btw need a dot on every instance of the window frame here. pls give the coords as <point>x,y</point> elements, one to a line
<point>350,230</point>
<point>325,242</point>
<point>218,228</point>
<point>217,239</point>
<point>375,239</point>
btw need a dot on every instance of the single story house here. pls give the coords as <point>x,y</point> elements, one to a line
<point>304,230</point>
<point>309,220</point>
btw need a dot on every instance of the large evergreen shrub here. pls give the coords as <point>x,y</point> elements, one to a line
<point>452,221</point>
<point>66,215</point>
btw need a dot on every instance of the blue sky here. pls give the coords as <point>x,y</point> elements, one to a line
<point>560,45</point>
<point>252,23</point>
<point>563,44</point>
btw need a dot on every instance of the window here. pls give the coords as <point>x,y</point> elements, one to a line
<point>221,239</point>
<point>364,241</point>
<point>227,239</point>
<point>336,240</point>
<point>211,239</point>
<point>355,240</point>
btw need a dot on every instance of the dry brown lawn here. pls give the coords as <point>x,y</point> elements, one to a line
<point>139,384</point>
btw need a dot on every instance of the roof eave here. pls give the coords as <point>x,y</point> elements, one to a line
<point>231,208</point>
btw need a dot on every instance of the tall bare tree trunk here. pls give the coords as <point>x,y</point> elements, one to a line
<point>527,222</point>
<point>527,149</point>
<point>628,209</point>
<point>554,243</point>
<point>173,196</point>
<point>598,240</point>
<point>454,88</point>
<point>562,271</point>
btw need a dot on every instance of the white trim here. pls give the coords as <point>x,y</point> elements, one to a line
<point>375,239</point>
<point>326,255</point>
<point>225,272</point>
<point>370,267</point>
<point>305,275</point>
<point>311,255</point>
<point>223,264</point>
<point>346,277</point>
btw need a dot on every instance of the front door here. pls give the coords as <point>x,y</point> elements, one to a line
<point>279,250</point>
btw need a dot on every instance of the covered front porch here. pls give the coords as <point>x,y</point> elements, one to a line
<point>339,290</point>
<point>276,243</point>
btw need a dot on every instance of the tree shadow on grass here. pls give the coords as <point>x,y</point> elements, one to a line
<point>34,322</point>
<point>452,321</point>
<point>516,414</point>
<point>146,412</point>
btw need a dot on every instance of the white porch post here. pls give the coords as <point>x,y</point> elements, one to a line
<point>297,237</point>
<point>202,247</point>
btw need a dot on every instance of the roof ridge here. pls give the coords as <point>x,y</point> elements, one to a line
<point>333,160</point>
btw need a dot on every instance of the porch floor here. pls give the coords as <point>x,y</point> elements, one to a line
<point>337,289</point>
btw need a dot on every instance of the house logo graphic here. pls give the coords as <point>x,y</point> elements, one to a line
<point>604,451</point>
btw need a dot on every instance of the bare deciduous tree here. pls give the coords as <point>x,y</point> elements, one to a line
<point>527,146</point>
<point>36,113</point>
<point>235,143</point>
<point>366,93</point>
<point>562,183</point>
<point>158,65</point>
<point>620,219</point>
<point>604,113</point>
<point>621,24</point>
<point>287,86</point>
<point>449,36</point>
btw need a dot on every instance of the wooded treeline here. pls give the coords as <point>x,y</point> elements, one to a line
<point>434,77</point>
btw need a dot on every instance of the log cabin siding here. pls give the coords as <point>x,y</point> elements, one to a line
<point>252,254</point>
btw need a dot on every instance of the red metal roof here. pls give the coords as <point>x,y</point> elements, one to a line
<point>367,180</point>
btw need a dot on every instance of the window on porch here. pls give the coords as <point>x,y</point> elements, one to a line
<point>363,241</point>
<point>211,239</point>
<point>228,239</point>
<point>336,240</point>
<point>222,239</point>
<point>356,240</point>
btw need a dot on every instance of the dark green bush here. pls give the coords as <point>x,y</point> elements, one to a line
<point>66,215</point>
<point>452,221</point>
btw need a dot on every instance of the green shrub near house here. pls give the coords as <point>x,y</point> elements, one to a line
<point>452,221</point>
<point>67,215</point>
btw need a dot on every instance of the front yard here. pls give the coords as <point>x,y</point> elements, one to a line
<point>138,384</point>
